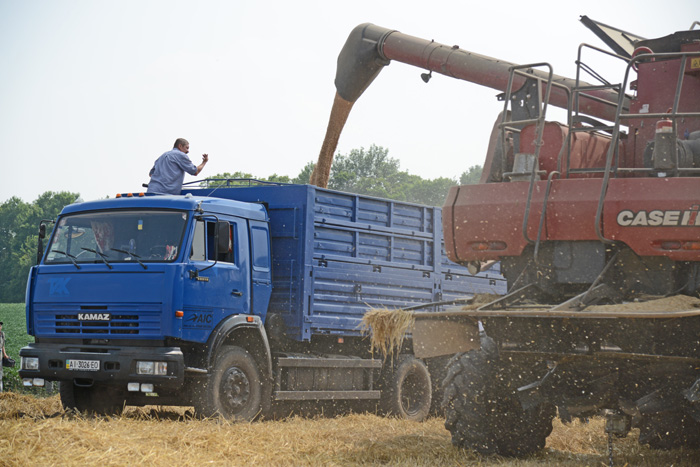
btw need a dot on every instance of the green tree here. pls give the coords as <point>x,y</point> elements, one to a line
<point>241,179</point>
<point>371,172</point>
<point>278,179</point>
<point>430,192</point>
<point>19,224</point>
<point>471,176</point>
<point>374,173</point>
<point>305,174</point>
<point>224,179</point>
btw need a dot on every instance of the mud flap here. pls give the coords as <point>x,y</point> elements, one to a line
<point>438,336</point>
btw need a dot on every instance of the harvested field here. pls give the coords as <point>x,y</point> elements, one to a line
<point>38,432</point>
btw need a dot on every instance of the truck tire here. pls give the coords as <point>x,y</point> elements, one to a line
<point>97,399</point>
<point>406,390</point>
<point>234,390</point>
<point>483,414</point>
<point>667,431</point>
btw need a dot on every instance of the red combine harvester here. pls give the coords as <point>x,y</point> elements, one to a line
<point>596,223</point>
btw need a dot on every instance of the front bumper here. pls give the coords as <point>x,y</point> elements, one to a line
<point>116,364</point>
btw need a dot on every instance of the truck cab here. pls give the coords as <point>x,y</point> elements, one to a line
<point>130,290</point>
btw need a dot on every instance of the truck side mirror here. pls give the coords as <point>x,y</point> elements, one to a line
<point>223,238</point>
<point>40,244</point>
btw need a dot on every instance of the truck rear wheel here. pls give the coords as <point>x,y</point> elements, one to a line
<point>483,414</point>
<point>97,399</point>
<point>234,390</point>
<point>406,390</point>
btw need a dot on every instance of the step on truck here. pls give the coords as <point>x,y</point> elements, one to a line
<point>239,301</point>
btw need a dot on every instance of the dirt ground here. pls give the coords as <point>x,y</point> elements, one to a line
<point>38,432</point>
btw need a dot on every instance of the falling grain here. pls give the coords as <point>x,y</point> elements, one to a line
<point>339,115</point>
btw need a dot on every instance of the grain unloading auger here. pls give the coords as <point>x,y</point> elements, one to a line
<point>370,48</point>
<point>596,223</point>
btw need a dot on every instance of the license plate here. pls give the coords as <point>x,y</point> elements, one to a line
<point>83,365</point>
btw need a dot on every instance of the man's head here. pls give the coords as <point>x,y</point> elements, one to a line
<point>182,145</point>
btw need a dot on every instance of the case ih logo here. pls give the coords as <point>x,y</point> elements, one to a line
<point>94,316</point>
<point>689,218</point>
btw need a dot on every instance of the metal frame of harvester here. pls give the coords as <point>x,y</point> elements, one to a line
<point>596,224</point>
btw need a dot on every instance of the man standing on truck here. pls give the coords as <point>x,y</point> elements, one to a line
<point>168,171</point>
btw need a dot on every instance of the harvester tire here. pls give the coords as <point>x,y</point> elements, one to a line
<point>95,400</point>
<point>666,431</point>
<point>483,413</point>
<point>234,390</point>
<point>406,390</point>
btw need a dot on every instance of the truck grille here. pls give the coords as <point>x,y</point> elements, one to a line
<point>118,324</point>
<point>125,321</point>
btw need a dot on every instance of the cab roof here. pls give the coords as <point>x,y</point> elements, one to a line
<point>209,205</point>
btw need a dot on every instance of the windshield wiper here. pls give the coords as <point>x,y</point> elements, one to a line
<point>134,255</point>
<point>69,256</point>
<point>101,255</point>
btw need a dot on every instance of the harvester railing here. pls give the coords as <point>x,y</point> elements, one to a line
<point>584,91</point>
<point>674,115</point>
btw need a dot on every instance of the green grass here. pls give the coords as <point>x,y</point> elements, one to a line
<point>15,329</point>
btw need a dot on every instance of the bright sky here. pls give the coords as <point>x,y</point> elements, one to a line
<point>92,92</point>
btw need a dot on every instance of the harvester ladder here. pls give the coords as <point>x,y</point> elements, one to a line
<point>538,108</point>
<point>526,106</point>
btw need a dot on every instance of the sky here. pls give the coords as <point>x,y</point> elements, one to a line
<point>93,91</point>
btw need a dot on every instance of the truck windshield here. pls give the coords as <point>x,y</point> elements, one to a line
<point>117,236</point>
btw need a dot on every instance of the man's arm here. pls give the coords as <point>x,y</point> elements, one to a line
<point>205,159</point>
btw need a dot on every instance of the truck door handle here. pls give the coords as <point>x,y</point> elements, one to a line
<point>237,293</point>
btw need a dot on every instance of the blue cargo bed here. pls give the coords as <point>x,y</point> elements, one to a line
<point>335,255</point>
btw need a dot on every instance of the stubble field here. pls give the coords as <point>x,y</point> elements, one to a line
<point>35,431</point>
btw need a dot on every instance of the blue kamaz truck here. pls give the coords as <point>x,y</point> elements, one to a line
<point>236,300</point>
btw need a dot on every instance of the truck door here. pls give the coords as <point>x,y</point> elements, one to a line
<point>217,283</point>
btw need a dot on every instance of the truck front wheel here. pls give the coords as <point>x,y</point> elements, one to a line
<point>97,399</point>
<point>406,390</point>
<point>234,390</point>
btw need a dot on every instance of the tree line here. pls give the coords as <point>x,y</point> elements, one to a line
<point>19,231</point>
<point>372,172</point>
<point>367,172</point>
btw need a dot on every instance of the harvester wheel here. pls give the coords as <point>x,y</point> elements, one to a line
<point>96,399</point>
<point>234,390</point>
<point>483,413</point>
<point>406,390</point>
<point>669,431</point>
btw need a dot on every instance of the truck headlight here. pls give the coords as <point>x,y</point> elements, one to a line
<point>29,363</point>
<point>152,368</point>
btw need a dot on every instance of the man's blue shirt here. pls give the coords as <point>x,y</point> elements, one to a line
<point>168,172</point>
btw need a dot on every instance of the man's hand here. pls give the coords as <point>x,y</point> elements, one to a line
<point>205,159</point>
